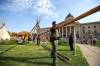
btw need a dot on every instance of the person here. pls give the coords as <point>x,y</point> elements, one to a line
<point>38,39</point>
<point>94,41</point>
<point>53,39</point>
<point>71,40</point>
<point>91,38</point>
<point>29,39</point>
<point>33,36</point>
<point>19,40</point>
<point>84,40</point>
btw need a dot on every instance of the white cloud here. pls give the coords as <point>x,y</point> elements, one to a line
<point>46,7</point>
<point>16,5</point>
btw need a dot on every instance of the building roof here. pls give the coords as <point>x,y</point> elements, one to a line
<point>69,15</point>
<point>96,22</point>
<point>66,19</point>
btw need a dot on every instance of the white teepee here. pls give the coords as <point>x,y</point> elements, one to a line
<point>4,35</point>
<point>36,28</point>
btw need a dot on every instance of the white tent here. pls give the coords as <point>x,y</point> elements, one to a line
<point>4,35</point>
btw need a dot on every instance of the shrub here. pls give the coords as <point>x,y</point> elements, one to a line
<point>62,42</point>
<point>7,42</point>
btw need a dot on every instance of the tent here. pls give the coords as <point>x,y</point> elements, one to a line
<point>4,35</point>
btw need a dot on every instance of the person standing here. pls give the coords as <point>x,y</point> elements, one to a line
<point>38,39</point>
<point>94,40</point>
<point>53,39</point>
<point>29,38</point>
<point>91,38</point>
<point>71,40</point>
<point>33,37</point>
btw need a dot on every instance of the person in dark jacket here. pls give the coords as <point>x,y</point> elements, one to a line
<point>71,41</point>
<point>94,40</point>
<point>28,38</point>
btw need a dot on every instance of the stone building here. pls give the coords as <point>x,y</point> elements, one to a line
<point>81,29</point>
<point>88,28</point>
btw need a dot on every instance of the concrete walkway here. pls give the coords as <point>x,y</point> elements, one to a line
<point>91,53</point>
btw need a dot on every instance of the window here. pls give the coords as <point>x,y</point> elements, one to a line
<point>88,26</point>
<point>94,26</point>
<point>83,27</point>
<point>83,31</point>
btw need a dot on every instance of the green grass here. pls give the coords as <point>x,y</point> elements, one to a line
<point>33,55</point>
<point>25,55</point>
<point>63,42</point>
<point>98,43</point>
<point>78,60</point>
<point>7,42</point>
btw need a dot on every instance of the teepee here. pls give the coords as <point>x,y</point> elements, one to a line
<point>4,35</point>
<point>36,28</point>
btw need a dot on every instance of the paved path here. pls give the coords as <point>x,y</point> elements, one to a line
<point>91,53</point>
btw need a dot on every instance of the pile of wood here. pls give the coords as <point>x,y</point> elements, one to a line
<point>62,57</point>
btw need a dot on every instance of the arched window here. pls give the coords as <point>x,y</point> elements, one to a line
<point>88,26</point>
<point>89,31</point>
<point>83,27</point>
<point>94,26</point>
<point>83,31</point>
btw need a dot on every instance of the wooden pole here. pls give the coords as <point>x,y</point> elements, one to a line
<point>96,9</point>
<point>74,40</point>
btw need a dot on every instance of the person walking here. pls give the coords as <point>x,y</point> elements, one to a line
<point>71,40</point>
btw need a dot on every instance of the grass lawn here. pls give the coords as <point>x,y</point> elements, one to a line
<point>33,55</point>
<point>77,60</point>
<point>98,43</point>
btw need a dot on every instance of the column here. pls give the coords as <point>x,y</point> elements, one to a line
<point>59,30</point>
<point>74,40</point>
<point>62,32</point>
<point>80,31</point>
<point>70,29</point>
<point>66,31</point>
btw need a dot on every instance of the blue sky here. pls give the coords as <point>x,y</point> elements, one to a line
<point>20,15</point>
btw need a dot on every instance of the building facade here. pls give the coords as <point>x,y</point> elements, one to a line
<point>81,29</point>
<point>90,28</point>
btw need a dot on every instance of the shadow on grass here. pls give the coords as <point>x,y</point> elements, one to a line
<point>63,50</point>
<point>8,49</point>
<point>27,60</point>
